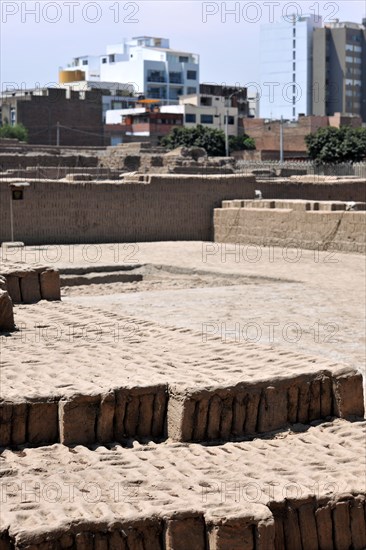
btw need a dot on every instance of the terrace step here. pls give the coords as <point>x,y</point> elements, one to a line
<point>300,490</point>
<point>83,375</point>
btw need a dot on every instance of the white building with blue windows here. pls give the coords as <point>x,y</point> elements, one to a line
<point>148,63</point>
<point>286,50</point>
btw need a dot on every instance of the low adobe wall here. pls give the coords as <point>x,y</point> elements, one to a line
<point>146,208</point>
<point>298,224</point>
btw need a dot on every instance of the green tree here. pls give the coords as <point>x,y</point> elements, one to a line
<point>18,131</point>
<point>213,141</point>
<point>241,143</point>
<point>335,145</point>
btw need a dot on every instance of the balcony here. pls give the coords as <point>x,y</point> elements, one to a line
<point>156,77</point>
<point>175,78</point>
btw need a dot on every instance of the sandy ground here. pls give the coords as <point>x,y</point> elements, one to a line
<point>62,349</point>
<point>315,304</point>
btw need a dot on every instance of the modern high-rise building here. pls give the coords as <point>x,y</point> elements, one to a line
<point>286,50</point>
<point>339,69</point>
<point>148,63</point>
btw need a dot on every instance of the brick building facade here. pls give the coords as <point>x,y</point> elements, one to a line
<point>56,116</point>
<point>266,133</point>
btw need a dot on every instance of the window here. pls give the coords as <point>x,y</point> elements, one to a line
<point>155,76</point>
<point>112,58</point>
<point>294,66</point>
<point>183,59</point>
<point>192,75</point>
<point>104,60</point>
<point>12,116</point>
<point>207,101</point>
<point>294,44</point>
<point>191,90</point>
<point>207,119</point>
<point>175,78</point>
<point>350,82</point>
<point>353,59</point>
<point>231,120</point>
<point>85,61</point>
<point>190,117</point>
<point>293,55</point>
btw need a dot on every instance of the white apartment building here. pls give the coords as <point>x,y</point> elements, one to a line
<point>286,51</point>
<point>147,63</point>
<point>206,110</point>
<point>196,109</point>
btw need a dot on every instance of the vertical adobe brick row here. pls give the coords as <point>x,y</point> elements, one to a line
<point>273,409</point>
<point>308,529</point>
<point>303,402</point>
<point>84,541</point>
<point>279,520</point>
<point>185,530</point>
<point>146,412</point>
<point>117,541</point>
<point>100,541</point>
<point>341,526</point>
<point>200,422</point>
<point>145,534</point>
<point>214,417</point>
<point>50,285</point>
<point>180,416</point>
<point>67,541</point>
<point>119,414</point>
<point>251,416</point>
<point>6,414</point>
<point>105,416</point>
<point>315,400</point>
<point>19,424</point>
<point>358,522</point>
<point>231,534</point>
<point>42,423</point>
<point>132,415</point>
<point>348,394</point>
<point>239,410</point>
<point>324,524</point>
<point>13,286</point>
<point>326,397</point>
<point>292,403</point>
<point>226,419</point>
<point>160,406</point>
<point>291,528</point>
<point>78,419</point>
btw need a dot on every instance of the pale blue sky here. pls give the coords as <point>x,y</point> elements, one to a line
<point>32,51</point>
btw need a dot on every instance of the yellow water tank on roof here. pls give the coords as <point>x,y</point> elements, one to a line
<point>64,77</point>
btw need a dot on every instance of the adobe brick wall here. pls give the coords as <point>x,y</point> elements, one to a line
<point>287,227</point>
<point>267,134</point>
<point>167,208</point>
<point>313,188</point>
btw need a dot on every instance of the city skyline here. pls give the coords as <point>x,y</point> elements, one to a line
<point>218,32</point>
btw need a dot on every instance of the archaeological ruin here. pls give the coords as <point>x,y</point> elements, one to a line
<point>182,352</point>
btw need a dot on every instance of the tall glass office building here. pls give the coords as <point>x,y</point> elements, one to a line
<point>286,67</point>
